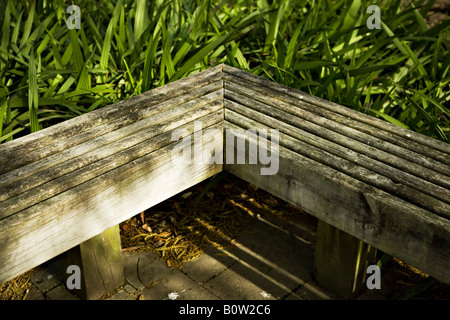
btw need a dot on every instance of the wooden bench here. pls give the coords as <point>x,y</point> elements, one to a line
<point>370,183</point>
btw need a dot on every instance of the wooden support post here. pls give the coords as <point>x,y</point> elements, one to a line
<point>341,260</point>
<point>100,262</point>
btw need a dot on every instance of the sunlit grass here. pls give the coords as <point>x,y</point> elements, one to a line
<point>49,73</point>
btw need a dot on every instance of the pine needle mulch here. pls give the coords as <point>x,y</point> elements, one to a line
<point>211,213</point>
<point>16,289</point>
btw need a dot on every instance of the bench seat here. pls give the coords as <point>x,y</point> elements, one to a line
<point>380,183</point>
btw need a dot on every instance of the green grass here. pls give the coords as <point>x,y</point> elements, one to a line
<point>49,73</point>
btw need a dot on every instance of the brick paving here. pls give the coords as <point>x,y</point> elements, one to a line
<point>273,261</point>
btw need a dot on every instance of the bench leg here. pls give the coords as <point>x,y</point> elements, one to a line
<point>341,260</point>
<point>100,262</point>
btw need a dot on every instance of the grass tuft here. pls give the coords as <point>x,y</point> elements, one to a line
<point>48,73</point>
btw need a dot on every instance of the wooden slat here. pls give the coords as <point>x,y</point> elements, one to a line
<point>20,180</point>
<point>407,137</point>
<point>356,171</point>
<point>39,233</point>
<point>266,114</point>
<point>360,131</point>
<point>364,168</point>
<point>351,138</point>
<point>99,122</point>
<point>390,224</point>
<point>34,190</point>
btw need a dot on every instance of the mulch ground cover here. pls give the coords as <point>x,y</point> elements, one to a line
<point>215,212</point>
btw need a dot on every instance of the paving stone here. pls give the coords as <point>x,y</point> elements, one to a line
<point>280,248</point>
<point>143,268</point>
<point>305,231</point>
<point>371,295</point>
<point>285,281</point>
<point>35,294</point>
<point>156,292</point>
<point>269,259</point>
<point>61,293</point>
<point>121,295</point>
<point>211,263</point>
<point>130,269</point>
<point>273,261</point>
<point>150,268</point>
<point>44,280</point>
<point>311,291</point>
<point>268,273</point>
<point>239,283</point>
<point>130,289</point>
<point>177,286</point>
<point>293,296</point>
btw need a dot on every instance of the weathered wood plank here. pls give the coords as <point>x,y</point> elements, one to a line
<point>46,169</point>
<point>426,154</point>
<point>331,131</point>
<point>37,234</point>
<point>85,168</point>
<point>109,125</point>
<point>420,154</point>
<point>415,235</point>
<point>110,113</point>
<point>357,158</point>
<point>364,169</point>
<point>398,134</point>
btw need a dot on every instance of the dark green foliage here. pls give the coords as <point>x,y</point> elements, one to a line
<point>49,73</point>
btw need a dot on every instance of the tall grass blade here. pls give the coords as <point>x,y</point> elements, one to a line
<point>147,72</point>
<point>28,25</point>
<point>140,19</point>
<point>109,35</point>
<point>33,93</point>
